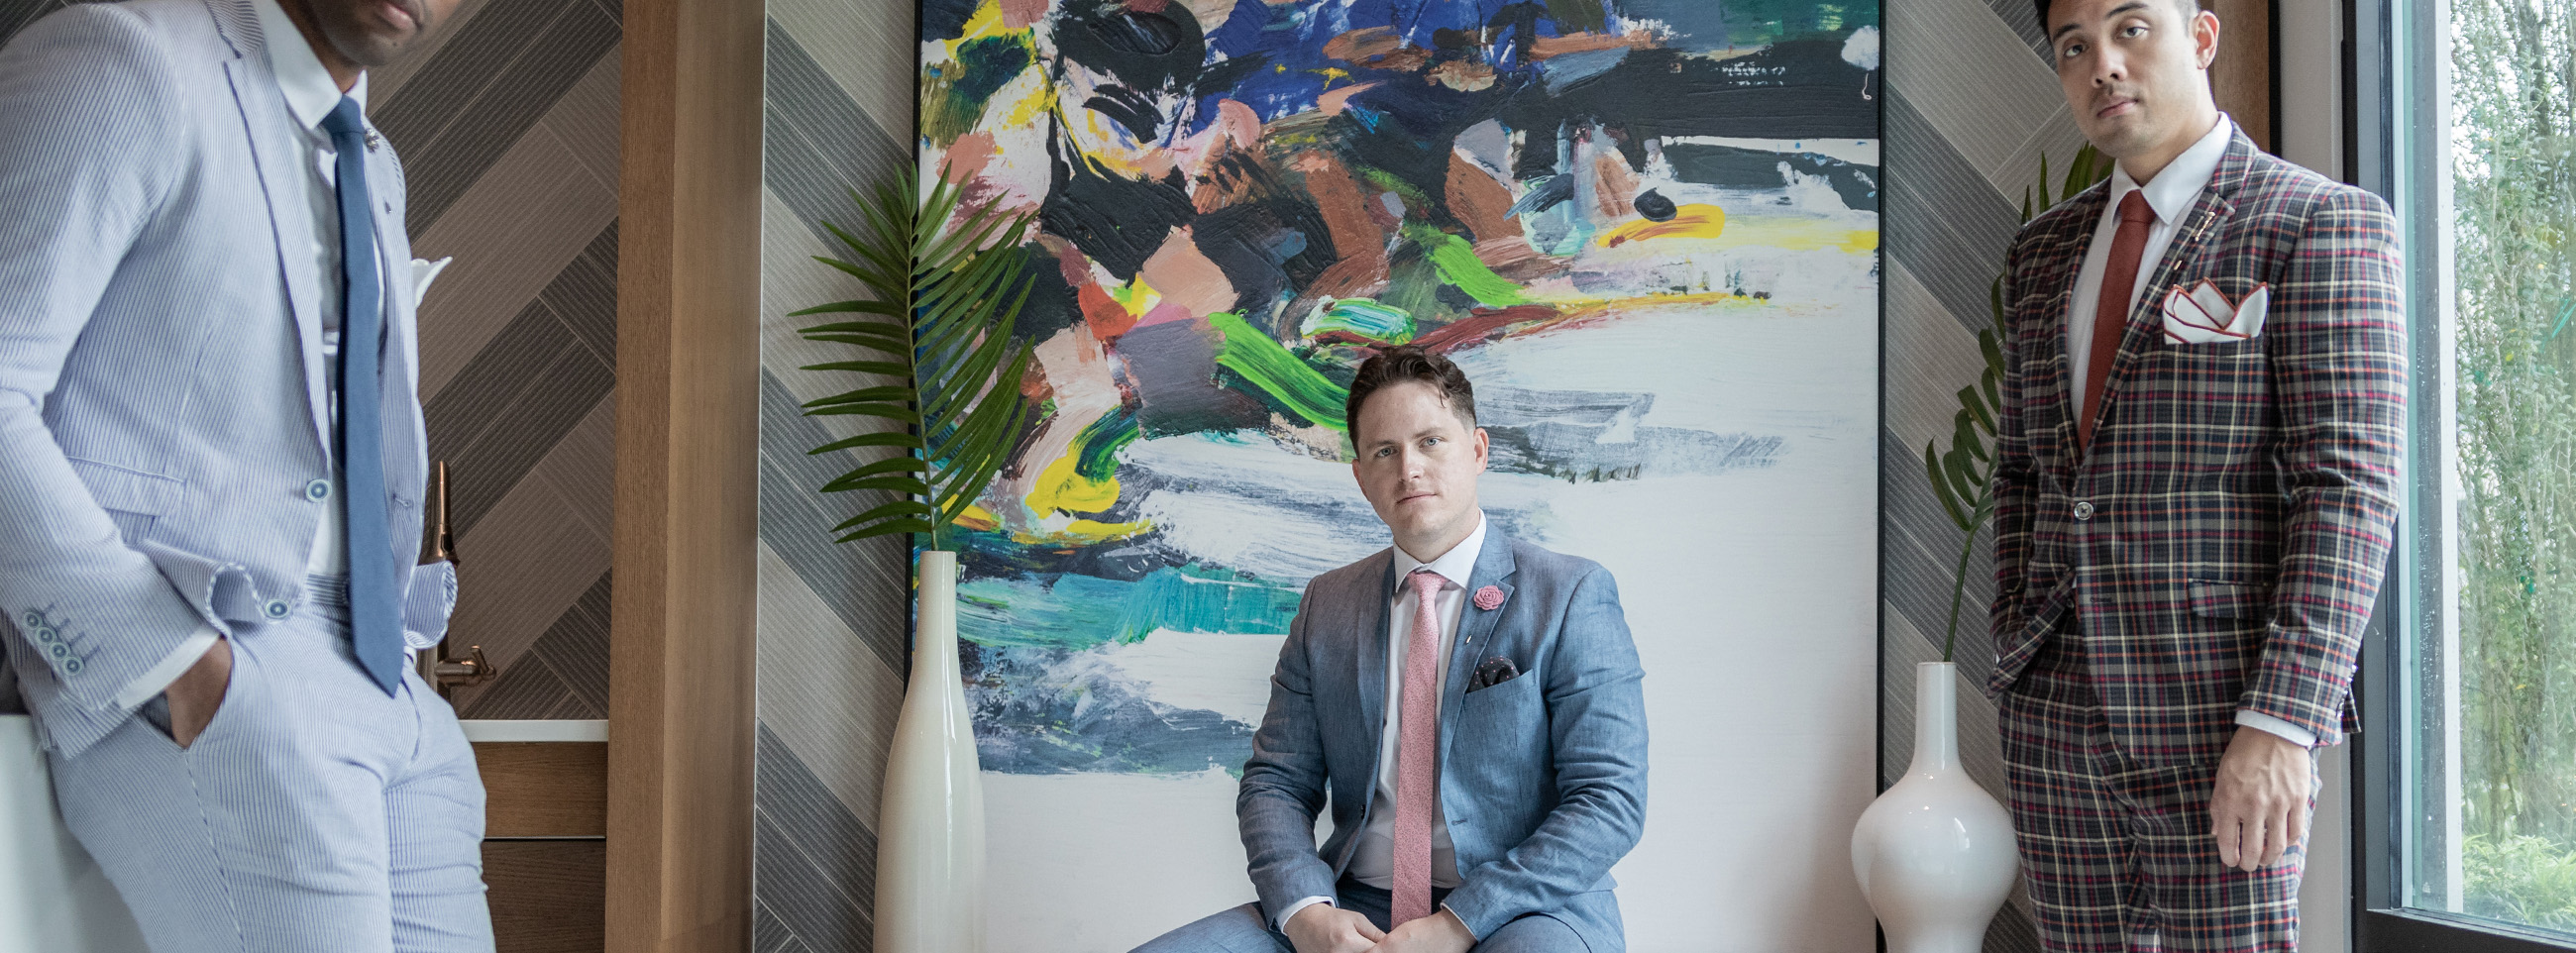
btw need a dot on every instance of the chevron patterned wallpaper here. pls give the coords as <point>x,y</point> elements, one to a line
<point>834,619</point>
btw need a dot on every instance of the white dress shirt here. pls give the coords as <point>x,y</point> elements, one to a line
<point>2172,193</point>
<point>1373,858</point>
<point>310,94</point>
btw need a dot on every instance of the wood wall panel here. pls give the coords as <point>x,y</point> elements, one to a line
<point>2242,75</point>
<point>686,520</point>
<point>546,895</point>
<point>544,789</point>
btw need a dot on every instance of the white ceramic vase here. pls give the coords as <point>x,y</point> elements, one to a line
<point>1935,853</point>
<point>930,820</point>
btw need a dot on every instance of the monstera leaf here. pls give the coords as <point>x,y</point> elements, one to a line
<point>1963,476</point>
<point>938,328</point>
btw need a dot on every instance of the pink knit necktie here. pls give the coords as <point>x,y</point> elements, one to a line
<point>1417,782</point>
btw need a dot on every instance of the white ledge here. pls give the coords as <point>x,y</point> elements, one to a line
<point>481,730</point>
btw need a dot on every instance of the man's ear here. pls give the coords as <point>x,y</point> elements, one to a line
<point>2204,38</point>
<point>1484,445</point>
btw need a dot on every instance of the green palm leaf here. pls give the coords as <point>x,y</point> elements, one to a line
<point>946,282</point>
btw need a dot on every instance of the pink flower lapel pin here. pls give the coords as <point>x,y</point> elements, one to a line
<point>1489,598</point>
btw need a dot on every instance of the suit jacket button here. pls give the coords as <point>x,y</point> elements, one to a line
<point>277,608</point>
<point>2083,509</point>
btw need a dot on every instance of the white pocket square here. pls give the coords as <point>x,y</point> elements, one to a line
<point>2202,314</point>
<point>422,273</point>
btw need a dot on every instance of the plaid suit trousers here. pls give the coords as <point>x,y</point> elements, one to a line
<point>2118,854</point>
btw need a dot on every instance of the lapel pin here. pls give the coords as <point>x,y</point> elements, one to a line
<point>373,140</point>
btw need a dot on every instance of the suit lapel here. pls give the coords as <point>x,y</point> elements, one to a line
<point>2145,326</point>
<point>1475,629</point>
<point>265,120</point>
<point>1370,663</point>
<point>2073,240</point>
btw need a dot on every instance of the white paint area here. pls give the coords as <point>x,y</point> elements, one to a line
<point>1201,670</point>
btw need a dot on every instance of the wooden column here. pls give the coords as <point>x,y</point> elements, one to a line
<point>688,370</point>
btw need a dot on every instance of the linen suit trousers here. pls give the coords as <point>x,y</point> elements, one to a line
<point>314,813</point>
<point>2118,855</point>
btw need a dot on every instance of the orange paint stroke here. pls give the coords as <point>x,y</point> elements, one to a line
<point>968,156</point>
<point>1547,46</point>
<point>1107,318</point>
<point>1331,102</point>
<point>1018,14</point>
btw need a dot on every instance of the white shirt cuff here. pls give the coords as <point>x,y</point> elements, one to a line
<point>2270,725</point>
<point>1282,925</point>
<point>173,665</point>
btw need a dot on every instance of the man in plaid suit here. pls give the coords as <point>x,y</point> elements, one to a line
<point>2199,443</point>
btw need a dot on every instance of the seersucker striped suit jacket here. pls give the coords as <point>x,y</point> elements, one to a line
<point>2241,493</point>
<point>165,451</point>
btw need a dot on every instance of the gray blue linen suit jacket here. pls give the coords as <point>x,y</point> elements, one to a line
<point>1542,778</point>
<point>165,450</point>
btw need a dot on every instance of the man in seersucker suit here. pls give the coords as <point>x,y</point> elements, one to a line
<point>211,464</point>
<point>1470,703</point>
<point>2199,449</point>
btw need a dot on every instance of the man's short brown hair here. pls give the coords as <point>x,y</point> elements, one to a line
<point>1397,365</point>
<point>2190,8</point>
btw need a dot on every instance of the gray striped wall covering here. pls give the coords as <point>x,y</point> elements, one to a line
<point>834,619</point>
<point>507,124</point>
<point>1971,104</point>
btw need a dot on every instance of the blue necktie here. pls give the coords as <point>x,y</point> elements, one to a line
<point>375,610</point>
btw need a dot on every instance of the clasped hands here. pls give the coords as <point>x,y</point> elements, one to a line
<point>2260,807</point>
<point>1324,928</point>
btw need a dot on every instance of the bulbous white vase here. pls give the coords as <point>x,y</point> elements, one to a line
<point>930,821</point>
<point>1935,853</point>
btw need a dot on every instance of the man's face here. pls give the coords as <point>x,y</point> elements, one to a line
<point>372,33</point>
<point>2133,70</point>
<point>1418,464</point>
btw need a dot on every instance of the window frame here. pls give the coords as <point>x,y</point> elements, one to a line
<point>2396,133</point>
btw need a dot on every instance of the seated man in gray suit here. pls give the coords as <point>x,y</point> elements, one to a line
<point>211,465</point>
<point>1472,705</point>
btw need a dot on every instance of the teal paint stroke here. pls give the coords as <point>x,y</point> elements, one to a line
<point>1077,611</point>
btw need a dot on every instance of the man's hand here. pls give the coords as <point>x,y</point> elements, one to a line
<point>1324,928</point>
<point>2260,808</point>
<point>1441,932</point>
<point>198,692</point>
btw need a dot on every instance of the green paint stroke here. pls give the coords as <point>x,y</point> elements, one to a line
<point>1078,612</point>
<point>1372,320</point>
<point>1097,446</point>
<point>1267,367</point>
<point>953,94</point>
<point>1458,266</point>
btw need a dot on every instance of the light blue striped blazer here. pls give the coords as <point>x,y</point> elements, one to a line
<point>164,425</point>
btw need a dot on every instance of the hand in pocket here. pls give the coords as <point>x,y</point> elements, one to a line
<point>198,692</point>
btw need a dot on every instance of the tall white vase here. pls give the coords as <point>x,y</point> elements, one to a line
<point>930,821</point>
<point>1935,853</point>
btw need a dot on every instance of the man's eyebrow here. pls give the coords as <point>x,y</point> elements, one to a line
<point>2115,11</point>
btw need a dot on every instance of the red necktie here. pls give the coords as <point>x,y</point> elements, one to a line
<point>1417,784</point>
<point>2111,315</point>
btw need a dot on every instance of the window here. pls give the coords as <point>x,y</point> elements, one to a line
<point>2467,122</point>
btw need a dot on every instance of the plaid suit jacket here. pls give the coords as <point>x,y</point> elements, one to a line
<point>2241,492</point>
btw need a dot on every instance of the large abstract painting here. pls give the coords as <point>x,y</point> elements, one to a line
<point>1648,231</point>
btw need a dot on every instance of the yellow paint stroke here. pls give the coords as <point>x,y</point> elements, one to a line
<point>1060,489</point>
<point>1800,234</point>
<point>1689,221</point>
<point>1136,296</point>
<point>978,518</point>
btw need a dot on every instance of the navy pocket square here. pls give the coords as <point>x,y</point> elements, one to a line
<point>1494,671</point>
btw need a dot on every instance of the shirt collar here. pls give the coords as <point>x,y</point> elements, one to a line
<point>311,93</point>
<point>2174,189</point>
<point>1455,565</point>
